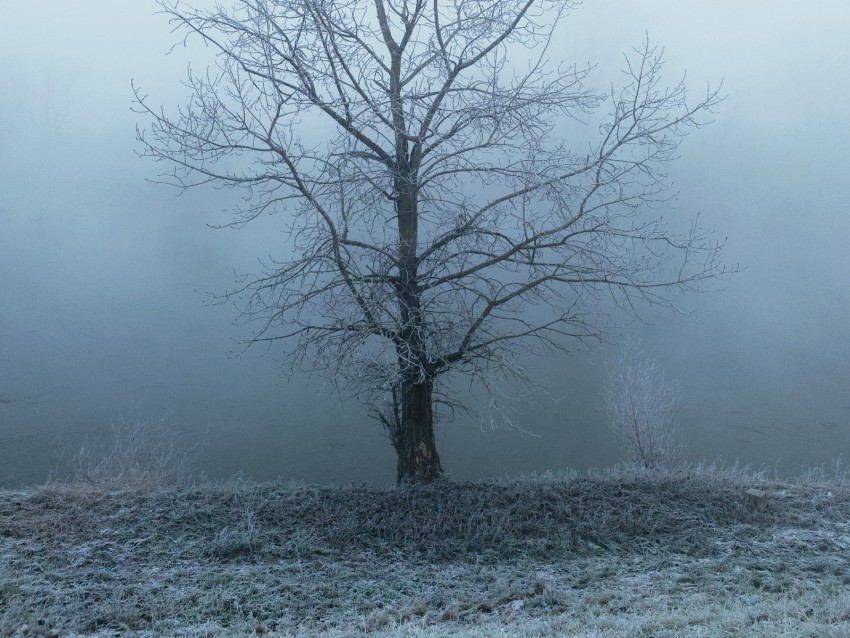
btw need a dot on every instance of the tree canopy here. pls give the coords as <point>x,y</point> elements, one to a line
<point>456,194</point>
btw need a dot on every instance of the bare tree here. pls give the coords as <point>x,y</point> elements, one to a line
<point>417,149</point>
<point>639,403</point>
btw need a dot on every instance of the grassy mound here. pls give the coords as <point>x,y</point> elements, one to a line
<point>690,553</point>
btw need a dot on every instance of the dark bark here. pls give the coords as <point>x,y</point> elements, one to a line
<point>418,461</point>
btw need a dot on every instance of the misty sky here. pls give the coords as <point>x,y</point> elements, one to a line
<point>102,274</point>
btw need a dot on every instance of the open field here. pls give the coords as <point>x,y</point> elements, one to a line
<point>699,552</point>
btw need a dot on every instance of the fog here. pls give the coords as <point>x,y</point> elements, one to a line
<point>103,275</point>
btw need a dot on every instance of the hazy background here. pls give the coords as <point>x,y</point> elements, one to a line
<point>102,313</point>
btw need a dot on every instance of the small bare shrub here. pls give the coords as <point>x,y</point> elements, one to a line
<point>141,454</point>
<point>639,404</point>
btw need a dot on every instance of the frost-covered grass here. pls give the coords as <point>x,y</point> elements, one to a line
<point>698,552</point>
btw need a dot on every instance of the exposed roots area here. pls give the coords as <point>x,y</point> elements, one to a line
<point>683,554</point>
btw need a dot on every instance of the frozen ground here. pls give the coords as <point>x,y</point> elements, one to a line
<point>699,552</point>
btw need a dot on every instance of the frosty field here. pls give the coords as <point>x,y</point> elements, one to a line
<point>697,552</point>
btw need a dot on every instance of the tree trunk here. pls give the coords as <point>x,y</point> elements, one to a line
<point>418,461</point>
